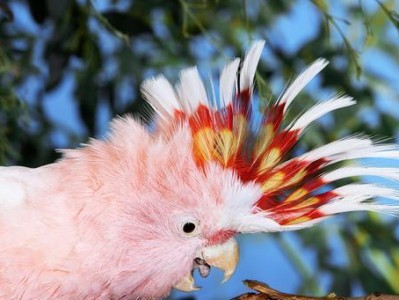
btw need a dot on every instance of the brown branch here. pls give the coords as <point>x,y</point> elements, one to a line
<point>267,293</point>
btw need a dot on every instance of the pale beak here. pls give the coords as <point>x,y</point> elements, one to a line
<point>186,284</point>
<point>224,256</point>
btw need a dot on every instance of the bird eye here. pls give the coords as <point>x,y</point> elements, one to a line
<point>188,227</point>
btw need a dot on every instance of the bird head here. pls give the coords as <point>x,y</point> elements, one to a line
<point>179,215</point>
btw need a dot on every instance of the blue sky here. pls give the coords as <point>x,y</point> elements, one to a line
<point>261,258</point>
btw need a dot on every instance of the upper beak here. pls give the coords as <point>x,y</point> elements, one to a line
<point>224,256</point>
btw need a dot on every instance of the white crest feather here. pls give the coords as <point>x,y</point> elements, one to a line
<point>191,90</point>
<point>366,191</point>
<point>301,81</point>
<point>351,148</point>
<point>337,147</point>
<point>379,151</point>
<point>250,64</point>
<point>160,94</point>
<point>228,82</point>
<point>388,173</point>
<point>321,109</point>
<point>353,197</point>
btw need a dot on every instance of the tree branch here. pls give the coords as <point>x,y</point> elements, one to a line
<point>267,293</point>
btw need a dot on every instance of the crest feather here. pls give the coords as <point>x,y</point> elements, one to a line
<point>191,90</point>
<point>301,81</point>
<point>228,82</point>
<point>161,96</point>
<point>320,110</point>
<point>295,192</point>
<point>250,64</point>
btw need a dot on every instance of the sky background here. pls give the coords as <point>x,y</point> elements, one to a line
<point>262,257</point>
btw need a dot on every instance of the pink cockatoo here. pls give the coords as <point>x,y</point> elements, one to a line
<point>131,216</point>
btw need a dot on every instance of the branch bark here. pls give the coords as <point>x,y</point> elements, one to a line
<point>264,292</point>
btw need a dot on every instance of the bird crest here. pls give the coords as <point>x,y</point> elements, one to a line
<point>234,132</point>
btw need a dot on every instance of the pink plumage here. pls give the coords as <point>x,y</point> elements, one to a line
<point>130,216</point>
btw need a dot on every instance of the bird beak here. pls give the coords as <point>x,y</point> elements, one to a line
<point>224,256</point>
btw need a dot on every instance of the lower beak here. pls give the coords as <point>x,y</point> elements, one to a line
<point>224,256</point>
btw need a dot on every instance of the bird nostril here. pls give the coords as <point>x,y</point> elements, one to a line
<point>203,267</point>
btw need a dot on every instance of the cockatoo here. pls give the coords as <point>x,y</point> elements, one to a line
<point>131,216</point>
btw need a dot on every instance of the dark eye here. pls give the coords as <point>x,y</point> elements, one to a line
<point>188,227</point>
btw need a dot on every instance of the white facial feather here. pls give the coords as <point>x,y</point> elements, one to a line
<point>238,211</point>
